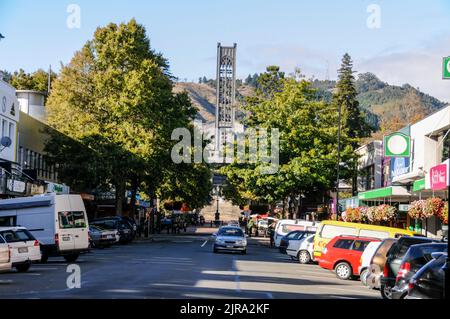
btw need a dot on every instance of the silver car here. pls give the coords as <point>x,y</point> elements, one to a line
<point>230,238</point>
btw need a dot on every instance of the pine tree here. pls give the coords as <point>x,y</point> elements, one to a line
<point>346,96</point>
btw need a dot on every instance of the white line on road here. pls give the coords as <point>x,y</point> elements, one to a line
<point>236,276</point>
<point>203,245</point>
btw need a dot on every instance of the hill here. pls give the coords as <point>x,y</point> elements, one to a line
<point>390,107</point>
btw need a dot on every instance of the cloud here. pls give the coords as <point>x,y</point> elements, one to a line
<point>420,67</point>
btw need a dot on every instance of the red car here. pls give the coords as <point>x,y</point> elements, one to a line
<point>343,255</point>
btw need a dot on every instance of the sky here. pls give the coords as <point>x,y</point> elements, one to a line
<point>401,41</point>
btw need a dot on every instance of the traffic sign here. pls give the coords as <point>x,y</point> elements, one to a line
<point>397,145</point>
<point>446,68</point>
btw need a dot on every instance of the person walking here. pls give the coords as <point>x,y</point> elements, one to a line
<point>250,225</point>
<point>271,232</point>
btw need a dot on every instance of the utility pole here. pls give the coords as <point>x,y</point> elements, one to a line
<point>339,157</point>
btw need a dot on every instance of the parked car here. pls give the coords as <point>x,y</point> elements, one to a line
<point>123,228</point>
<point>230,238</point>
<point>128,221</point>
<point>58,222</point>
<point>5,255</point>
<point>25,249</point>
<point>100,237</point>
<point>331,228</point>
<point>292,236</point>
<point>429,281</point>
<point>416,257</point>
<point>302,249</point>
<point>343,254</point>
<point>394,260</point>
<point>366,257</point>
<point>285,226</point>
<point>377,263</point>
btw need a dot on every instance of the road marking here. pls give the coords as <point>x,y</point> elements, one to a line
<point>203,245</point>
<point>236,276</point>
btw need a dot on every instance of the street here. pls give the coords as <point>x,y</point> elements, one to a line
<point>181,267</point>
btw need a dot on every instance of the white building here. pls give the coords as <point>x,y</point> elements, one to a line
<point>9,118</point>
<point>370,166</point>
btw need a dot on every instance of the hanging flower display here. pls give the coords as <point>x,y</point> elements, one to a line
<point>385,212</point>
<point>432,207</point>
<point>353,215</point>
<point>363,210</point>
<point>371,213</point>
<point>416,209</point>
<point>444,214</point>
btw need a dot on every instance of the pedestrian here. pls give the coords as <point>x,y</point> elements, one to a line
<point>250,227</point>
<point>271,231</point>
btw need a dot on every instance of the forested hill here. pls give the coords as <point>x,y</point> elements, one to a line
<point>395,106</point>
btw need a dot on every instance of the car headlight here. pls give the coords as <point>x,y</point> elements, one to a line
<point>220,241</point>
<point>241,242</point>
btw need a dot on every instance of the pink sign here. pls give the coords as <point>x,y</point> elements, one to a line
<point>438,177</point>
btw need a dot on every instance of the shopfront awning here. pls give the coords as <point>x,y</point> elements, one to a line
<point>408,177</point>
<point>391,191</point>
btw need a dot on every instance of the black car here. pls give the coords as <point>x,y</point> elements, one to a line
<point>428,282</point>
<point>393,261</point>
<point>123,227</point>
<point>293,235</point>
<point>416,257</point>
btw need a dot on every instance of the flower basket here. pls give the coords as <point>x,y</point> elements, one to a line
<point>444,214</point>
<point>385,213</point>
<point>364,214</point>
<point>432,207</point>
<point>371,214</point>
<point>416,209</point>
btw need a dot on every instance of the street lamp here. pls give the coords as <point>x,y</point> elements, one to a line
<point>217,215</point>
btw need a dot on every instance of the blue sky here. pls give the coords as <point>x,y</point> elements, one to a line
<point>408,47</point>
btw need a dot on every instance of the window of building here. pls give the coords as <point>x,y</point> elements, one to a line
<point>11,130</point>
<point>4,128</point>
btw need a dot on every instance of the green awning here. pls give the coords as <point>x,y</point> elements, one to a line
<point>419,185</point>
<point>376,193</point>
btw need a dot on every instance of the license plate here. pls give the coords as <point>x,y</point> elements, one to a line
<point>23,250</point>
<point>229,246</point>
<point>66,238</point>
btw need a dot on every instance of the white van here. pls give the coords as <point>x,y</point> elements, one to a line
<point>284,226</point>
<point>58,222</point>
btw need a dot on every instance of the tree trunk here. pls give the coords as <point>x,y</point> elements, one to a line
<point>134,189</point>
<point>120,195</point>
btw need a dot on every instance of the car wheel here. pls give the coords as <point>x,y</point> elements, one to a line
<point>304,257</point>
<point>343,270</point>
<point>363,276</point>
<point>385,292</point>
<point>71,258</point>
<point>23,267</point>
<point>44,258</point>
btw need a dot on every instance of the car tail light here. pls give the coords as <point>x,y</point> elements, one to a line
<point>386,271</point>
<point>411,284</point>
<point>36,243</point>
<point>56,239</point>
<point>404,269</point>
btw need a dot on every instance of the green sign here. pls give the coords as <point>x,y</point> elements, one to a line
<point>446,68</point>
<point>419,185</point>
<point>376,193</point>
<point>397,145</point>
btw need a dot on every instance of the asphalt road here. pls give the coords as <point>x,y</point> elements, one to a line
<point>181,267</point>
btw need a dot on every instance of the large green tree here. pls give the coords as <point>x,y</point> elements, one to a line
<point>115,98</point>
<point>307,145</point>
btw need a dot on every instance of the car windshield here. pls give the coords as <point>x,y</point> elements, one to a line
<point>12,236</point>
<point>231,232</point>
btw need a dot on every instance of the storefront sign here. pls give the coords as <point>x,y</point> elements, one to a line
<point>399,166</point>
<point>376,193</point>
<point>419,185</point>
<point>446,68</point>
<point>438,177</point>
<point>15,186</point>
<point>397,145</point>
<point>403,207</point>
<point>57,188</point>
